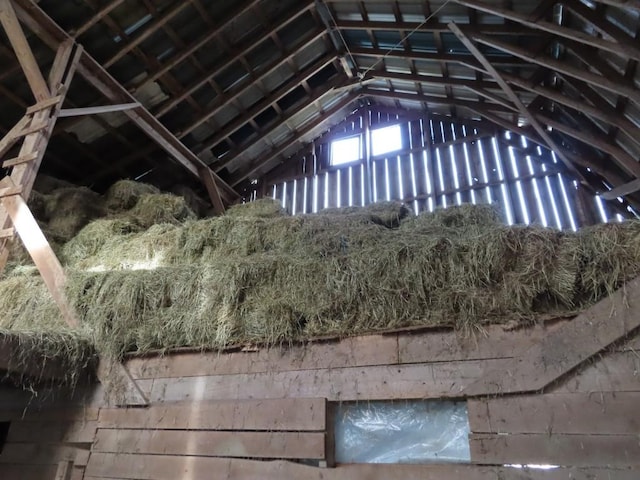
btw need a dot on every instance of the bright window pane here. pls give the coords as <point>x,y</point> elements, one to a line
<point>346,150</point>
<point>385,140</point>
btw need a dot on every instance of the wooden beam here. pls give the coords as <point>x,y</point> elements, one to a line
<point>49,102</point>
<point>74,112</point>
<point>622,190</point>
<point>628,50</point>
<point>513,97</point>
<point>589,333</point>
<point>12,162</point>
<point>23,51</point>
<point>39,249</point>
<point>48,31</point>
<point>561,67</point>
<point>293,139</point>
<point>103,12</point>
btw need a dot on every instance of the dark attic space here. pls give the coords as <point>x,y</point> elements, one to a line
<point>327,239</point>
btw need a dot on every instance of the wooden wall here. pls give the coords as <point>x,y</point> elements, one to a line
<point>564,393</point>
<point>441,164</point>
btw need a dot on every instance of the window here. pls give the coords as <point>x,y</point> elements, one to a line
<point>346,150</point>
<point>420,431</point>
<point>385,140</point>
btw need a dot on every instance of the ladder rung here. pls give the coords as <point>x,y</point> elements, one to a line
<point>32,129</point>
<point>12,162</point>
<point>49,102</point>
<point>7,233</point>
<point>10,191</point>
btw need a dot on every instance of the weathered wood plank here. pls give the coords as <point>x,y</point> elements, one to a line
<point>551,449</point>
<point>349,352</point>
<point>613,372</point>
<point>434,380</point>
<point>52,432</point>
<point>302,414</point>
<point>597,413</point>
<point>309,445</point>
<point>30,414</point>
<point>493,342</point>
<point>158,467</point>
<point>574,343</point>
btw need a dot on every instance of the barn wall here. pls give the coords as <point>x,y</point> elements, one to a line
<point>441,164</point>
<point>222,415</point>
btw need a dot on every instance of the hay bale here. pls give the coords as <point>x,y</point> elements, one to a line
<point>261,208</point>
<point>124,194</point>
<point>153,209</point>
<point>460,216</point>
<point>70,209</point>
<point>92,238</point>
<point>46,184</point>
<point>194,201</point>
<point>38,206</point>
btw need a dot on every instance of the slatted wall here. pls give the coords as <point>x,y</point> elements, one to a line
<point>443,164</point>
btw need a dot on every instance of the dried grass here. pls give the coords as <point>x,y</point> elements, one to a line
<point>156,278</point>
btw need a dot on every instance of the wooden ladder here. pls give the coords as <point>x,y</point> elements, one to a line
<point>34,130</point>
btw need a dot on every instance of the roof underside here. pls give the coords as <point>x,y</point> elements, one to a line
<point>245,84</point>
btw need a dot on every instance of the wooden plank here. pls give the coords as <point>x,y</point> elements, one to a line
<point>574,343</point>
<point>622,190</point>
<point>303,414</point>
<point>46,103</point>
<point>160,467</point>
<point>7,191</point>
<point>74,112</point>
<point>597,413</point>
<point>445,379</point>
<point>64,470</point>
<point>52,432</point>
<point>551,449</point>
<point>495,341</point>
<point>349,352</point>
<point>23,51</point>
<point>615,372</point>
<point>35,127</point>
<point>30,414</point>
<point>7,233</point>
<point>39,250</point>
<point>12,162</point>
<point>302,445</point>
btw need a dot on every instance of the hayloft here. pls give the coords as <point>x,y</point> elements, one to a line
<point>319,239</point>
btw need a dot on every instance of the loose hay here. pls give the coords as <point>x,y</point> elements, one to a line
<point>153,277</point>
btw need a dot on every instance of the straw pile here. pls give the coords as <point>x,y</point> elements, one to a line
<point>150,275</point>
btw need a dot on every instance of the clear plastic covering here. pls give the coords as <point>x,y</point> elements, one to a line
<point>418,431</point>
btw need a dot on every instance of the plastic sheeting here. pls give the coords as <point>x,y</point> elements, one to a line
<point>402,432</point>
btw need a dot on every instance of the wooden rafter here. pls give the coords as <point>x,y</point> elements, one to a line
<point>522,108</point>
<point>53,35</point>
<point>625,49</point>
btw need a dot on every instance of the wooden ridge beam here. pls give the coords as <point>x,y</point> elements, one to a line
<point>49,32</point>
<point>608,321</point>
<point>624,49</point>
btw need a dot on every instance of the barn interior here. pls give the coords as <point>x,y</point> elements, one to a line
<point>327,239</point>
